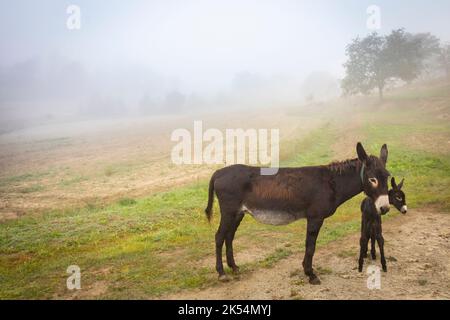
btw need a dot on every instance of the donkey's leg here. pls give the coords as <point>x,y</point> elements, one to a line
<point>313,228</point>
<point>363,242</point>
<point>229,242</point>
<point>225,225</point>
<point>380,241</point>
<point>365,252</point>
<point>229,208</point>
<point>373,252</point>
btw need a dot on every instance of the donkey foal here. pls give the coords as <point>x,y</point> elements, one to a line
<point>371,223</point>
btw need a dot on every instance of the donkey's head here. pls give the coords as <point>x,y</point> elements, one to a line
<point>374,177</point>
<point>397,197</point>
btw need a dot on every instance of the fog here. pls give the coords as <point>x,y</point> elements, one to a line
<point>138,58</point>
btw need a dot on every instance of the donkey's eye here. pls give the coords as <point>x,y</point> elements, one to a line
<point>399,198</point>
<point>373,182</point>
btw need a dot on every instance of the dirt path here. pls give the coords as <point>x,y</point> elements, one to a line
<point>418,253</point>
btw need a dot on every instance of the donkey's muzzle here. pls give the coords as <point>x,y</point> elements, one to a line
<point>382,204</point>
<point>384,210</point>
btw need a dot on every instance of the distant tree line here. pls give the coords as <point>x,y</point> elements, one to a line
<point>375,60</point>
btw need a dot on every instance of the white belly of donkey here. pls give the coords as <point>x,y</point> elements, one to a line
<point>272,217</point>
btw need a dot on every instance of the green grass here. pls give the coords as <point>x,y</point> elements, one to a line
<point>314,149</point>
<point>142,248</point>
<point>277,255</point>
<point>125,202</point>
<point>427,175</point>
<point>439,91</point>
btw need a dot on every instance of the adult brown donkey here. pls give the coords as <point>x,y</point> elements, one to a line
<point>312,192</point>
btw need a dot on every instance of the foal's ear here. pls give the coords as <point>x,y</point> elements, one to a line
<point>393,184</point>
<point>384,154</point>
<point>400,185</point>
<point>362,155</point>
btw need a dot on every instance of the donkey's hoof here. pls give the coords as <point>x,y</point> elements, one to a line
<point>236,271</point>
<point>314,281</point>
<point>224,278</point>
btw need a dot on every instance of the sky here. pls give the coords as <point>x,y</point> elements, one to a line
<point>199,45</point>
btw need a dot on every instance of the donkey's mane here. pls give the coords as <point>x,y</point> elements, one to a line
<point>341,166</point>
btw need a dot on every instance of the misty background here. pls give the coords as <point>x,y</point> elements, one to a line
<point>144,58</point>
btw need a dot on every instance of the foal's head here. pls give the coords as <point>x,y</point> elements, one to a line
<point>374,177</point>
<point>397,197</point>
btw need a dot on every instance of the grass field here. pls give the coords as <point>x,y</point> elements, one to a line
<point>146,245</point>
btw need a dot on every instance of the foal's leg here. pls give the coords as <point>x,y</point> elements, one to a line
<point>313,228</point>
<point>373,252</point>
<point>363,231</point>
<point>380,241</point>
<point>363,242</point>
<point>229,242</point>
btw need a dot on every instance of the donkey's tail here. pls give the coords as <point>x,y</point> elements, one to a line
<point>208,209</point>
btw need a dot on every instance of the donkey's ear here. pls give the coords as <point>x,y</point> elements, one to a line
<point>384,154</point>
<point>362,155</point>
<point>400,185</point>
<point>393,184</point>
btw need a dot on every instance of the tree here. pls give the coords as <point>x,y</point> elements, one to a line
<point>423,49</point>
<point>375,59</point>
<point>365,68</point>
